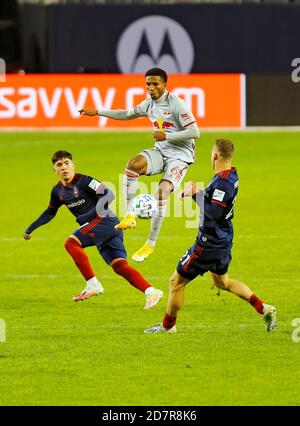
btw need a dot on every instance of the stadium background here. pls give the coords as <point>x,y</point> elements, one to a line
<point>237,64</point>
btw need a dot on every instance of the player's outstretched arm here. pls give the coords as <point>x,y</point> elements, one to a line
<point>44,218</point>
<point>88,111</point>
<point>189,190</point>
<point>116,114</point>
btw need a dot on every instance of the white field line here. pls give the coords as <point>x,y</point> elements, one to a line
<point>162,237</point>
<point>145,130</point>
<point>150,277</point>
<point>180,331</point>
<point>61,277</point>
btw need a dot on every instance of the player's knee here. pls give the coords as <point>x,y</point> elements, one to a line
<point>175,284</point>
<point>67,244</point>
<point>221,282</point>
<point>136,164</point>
<point>71,244</point>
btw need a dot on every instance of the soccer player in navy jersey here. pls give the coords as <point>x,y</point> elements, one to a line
<point>88,200</point>
<point>212,248</point>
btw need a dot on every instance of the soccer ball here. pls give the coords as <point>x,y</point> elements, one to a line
<point>145,206</point>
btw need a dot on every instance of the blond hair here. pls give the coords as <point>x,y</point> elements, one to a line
<point>225,148</point>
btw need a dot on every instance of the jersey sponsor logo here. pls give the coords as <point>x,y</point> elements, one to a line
<point>169,47</point>
<point>218,195</point>
<point>94,184</point>
<point>78,203</point>
<point>185,116</point>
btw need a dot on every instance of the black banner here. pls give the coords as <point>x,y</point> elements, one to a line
<point>93,416</point>
<point>186,38</point>
<point>272,100</point>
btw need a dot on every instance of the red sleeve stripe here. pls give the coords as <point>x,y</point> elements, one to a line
<point>192,122</point>
<point>218,202</point>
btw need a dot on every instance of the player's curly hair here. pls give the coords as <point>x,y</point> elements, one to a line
<point>157,71</point>
<point>225,148</point>
<point>58,155</point>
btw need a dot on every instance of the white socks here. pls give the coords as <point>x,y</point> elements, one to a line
<point>149,291</point>
<point>156,222</point>
<point>92,283</point>
<point>130,186</point>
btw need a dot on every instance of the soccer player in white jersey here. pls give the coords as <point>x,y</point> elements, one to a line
<point>175,129</point>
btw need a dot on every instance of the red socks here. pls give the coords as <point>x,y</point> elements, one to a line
<point>80,258</point>
<point>257,303</point>
<point>130,274</point>
<point>169,321</point>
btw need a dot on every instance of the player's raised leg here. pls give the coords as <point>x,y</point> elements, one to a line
<point>93,286</point>
<point>241,290</point>
<point>177,285</point>
<point>135,167</point>
<point>162,194</point>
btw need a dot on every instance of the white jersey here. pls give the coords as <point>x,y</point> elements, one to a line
<point>172,115</point>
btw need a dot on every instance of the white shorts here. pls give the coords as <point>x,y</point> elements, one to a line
<point>173,170</point>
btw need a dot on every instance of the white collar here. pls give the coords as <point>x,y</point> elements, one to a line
<point>162,98</point>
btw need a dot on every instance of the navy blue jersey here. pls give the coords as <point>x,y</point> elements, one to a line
<point>81,196</point>
<point>216,229</point>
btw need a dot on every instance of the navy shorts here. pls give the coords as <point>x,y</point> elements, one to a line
<point>200,259</point>
<point>100,232</point>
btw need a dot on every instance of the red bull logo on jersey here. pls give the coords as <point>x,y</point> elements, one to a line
<point>165,125</point>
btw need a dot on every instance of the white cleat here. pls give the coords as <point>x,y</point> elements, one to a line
<point>153,297</point>
<point>88,292</point>
<point>269,317</point>
<point>159,328</point>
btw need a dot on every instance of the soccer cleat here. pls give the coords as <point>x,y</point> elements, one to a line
<point>159,328</point>
<point>128,222</point>
<point>153,298</point>
<point>143,253</point>
<point>88,292</point>
<point>269,317</point>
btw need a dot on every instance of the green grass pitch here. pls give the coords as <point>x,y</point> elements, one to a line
<point>58,352</point>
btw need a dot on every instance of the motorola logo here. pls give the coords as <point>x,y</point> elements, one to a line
<point>155,41</point>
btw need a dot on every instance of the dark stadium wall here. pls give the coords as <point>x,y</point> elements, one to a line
<point>34,40</point>
<point>247,38</point>
<point>259,40</point>
<point>272,100</point>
